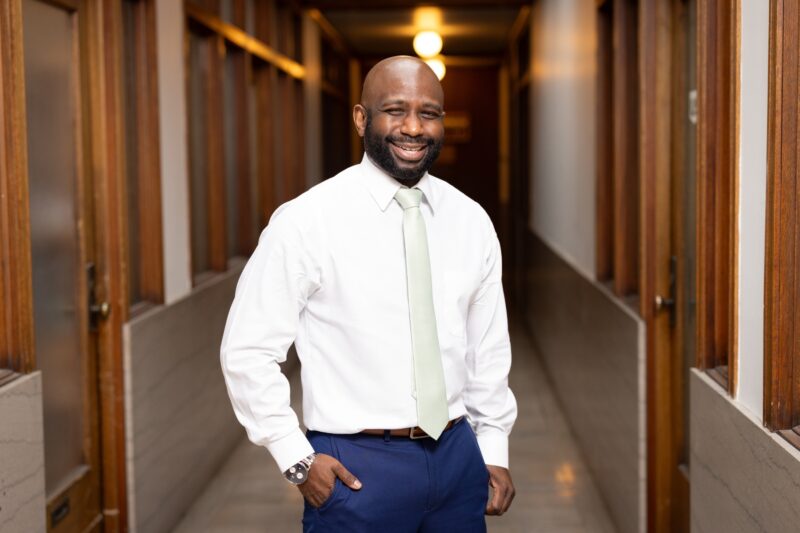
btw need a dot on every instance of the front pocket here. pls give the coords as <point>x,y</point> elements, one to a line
<point>337,487</point>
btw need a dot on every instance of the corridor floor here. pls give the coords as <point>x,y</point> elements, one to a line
<point>555,493</point>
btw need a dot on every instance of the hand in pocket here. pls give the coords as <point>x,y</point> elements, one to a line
<point>322,477</point>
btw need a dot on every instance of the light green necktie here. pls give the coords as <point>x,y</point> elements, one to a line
<point>428,372</point>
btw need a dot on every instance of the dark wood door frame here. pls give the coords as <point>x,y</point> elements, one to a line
<point>782,260</point>
<point>104,46</point>
<point>100,51</point>
<point>717,186</point>
<point>16,290</point>
<point>655,113</point>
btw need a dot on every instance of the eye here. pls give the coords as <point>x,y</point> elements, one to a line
<point>431,115</point>
<point>394,111</point>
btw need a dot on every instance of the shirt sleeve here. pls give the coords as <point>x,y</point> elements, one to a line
<point>490,404</point>
<point>262,324</point>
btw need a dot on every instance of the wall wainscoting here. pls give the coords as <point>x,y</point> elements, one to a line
<point>22,499</point>
<point>592,346</point>
<point>743,478</point>
<point>179,420</point>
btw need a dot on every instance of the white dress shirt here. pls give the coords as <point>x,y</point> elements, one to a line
<point>329,275</point>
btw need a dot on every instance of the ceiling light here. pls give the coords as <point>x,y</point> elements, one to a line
<point>427,43</point>
<point>437,66</point>
<point>427,18</point>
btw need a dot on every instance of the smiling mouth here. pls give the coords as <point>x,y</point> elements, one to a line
<point>411,152</point>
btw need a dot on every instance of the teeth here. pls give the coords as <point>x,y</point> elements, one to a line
<point>410,149</point>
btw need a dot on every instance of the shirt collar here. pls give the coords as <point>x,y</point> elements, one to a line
<point>382,187</point>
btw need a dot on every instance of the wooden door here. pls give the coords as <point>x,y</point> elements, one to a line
<point>62,260</point>
<point>682,269</point>
<point>670,220</point>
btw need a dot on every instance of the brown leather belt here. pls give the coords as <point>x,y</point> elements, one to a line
<point>411,433</point>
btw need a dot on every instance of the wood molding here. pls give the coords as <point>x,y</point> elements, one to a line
<point>782,261</point>
<point>148,153</point>
<point>215,153</point>
<point>735,37</point>
<point>355,80</point>
<point>717,172</point>
<point>265,140</point>
<point>625,178</point>
<point>241,39</point>
<point>330,31</point>
<point>16,291</point>
<point>288,138</point>
<point>104,51</point>
<point>654,243</point>
<point>604,212</point>
<point>523,19</point>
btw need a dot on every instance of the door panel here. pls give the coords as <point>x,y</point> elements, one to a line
<point>675,327</point>
<point>670,77</point>
<point>60,251</point>
<point>55,249</point>
<point>684,213</point>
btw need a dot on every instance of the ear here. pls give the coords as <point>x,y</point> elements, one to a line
<point>360,119</point>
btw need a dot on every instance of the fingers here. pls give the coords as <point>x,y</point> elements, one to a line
<point>495,502</point>
<point>316,492</point>
<point>346,477</point>
<point>508,497</point>
<point>316,497</point>
<point>503,491</point>
<point>322,477</point>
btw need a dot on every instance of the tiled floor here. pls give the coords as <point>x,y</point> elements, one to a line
<point>554,491</point>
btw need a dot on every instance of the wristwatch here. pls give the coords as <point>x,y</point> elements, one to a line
<point>298,473</point>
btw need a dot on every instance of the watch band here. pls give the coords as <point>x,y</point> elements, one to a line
<point>298,473</point>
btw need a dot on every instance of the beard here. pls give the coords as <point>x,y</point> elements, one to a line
<point>377,148</point>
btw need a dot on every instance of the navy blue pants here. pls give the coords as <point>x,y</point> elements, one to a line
<point>409,486</point>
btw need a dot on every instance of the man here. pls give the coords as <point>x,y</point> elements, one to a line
<point>388,282</point>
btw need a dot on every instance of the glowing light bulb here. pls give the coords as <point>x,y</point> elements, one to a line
<point>427,43</point>
<point>437,66</point>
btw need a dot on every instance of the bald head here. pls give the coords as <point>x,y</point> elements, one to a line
<point>401,116</point>
<point>399,72</point>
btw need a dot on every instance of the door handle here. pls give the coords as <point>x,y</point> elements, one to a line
<point>664,303</point>
<point>100,311</point>
<point>97,310</point>
<point>668,302</point>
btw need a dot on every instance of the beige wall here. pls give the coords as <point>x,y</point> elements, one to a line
<point>752,201</point>
<point>22,496</point>
<point>174,149</point>
<point>180,426</point>
<point>592,347</point>
<point>743,478</point>
<point>564,40</point>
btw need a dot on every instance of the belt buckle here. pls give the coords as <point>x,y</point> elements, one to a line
<point>415,437</point>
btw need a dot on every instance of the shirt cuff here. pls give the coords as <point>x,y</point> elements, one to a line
<point>494,448</point>
<point>289,450</point>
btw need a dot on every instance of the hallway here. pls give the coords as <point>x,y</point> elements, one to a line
<point>555,493</point>
<point>637,159</point>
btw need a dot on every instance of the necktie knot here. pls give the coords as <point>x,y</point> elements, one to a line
<point>408,198</point>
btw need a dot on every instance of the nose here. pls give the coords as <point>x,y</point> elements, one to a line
<point>411,125</point>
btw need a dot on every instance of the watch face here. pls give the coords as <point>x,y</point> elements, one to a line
<point>297,474</point>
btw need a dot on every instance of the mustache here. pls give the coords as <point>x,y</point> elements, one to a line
<point>409,139</point>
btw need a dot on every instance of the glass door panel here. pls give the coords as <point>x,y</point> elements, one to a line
<point>55,245</point>
<point>65,349</point>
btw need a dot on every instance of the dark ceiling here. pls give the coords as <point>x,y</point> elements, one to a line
<point>466,30</point>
